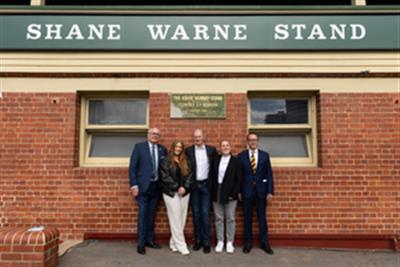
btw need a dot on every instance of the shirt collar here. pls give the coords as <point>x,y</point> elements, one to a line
<point>151,144</point>
<point>255,151</point>
<point>202,147</point>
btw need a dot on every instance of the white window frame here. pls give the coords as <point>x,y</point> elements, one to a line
<point>87,130</point>
<point>309,129</point>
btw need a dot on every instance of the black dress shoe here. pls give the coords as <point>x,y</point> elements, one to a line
<point>152,245</point>
<point>247,248</point>
<point>207,249</point>
<point>141,250</point>
<point>197,246</point>
<point>267,249</point>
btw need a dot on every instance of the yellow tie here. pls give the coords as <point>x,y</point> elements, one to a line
<point>253,162</point>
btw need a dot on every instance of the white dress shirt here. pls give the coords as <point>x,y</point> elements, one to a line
<point>202,164</point>
<point>223,165</point>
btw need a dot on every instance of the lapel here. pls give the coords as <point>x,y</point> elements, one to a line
<point>192,157</point>
<point>247,158</point>
<point>218,160</point>
<point>159,149</point>
<point>192,152</point>
<point>259,158</point>
<point>228,168</point>
<point>207,150</point>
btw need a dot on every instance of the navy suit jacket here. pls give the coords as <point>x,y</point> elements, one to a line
<point>141,166</point>
<point>263,177</point>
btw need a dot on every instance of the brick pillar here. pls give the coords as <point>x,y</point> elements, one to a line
<point>23,248</point>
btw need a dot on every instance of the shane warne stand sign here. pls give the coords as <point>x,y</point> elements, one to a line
<point>200,32</point>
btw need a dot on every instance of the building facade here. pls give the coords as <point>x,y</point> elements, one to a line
<point>78,91</point>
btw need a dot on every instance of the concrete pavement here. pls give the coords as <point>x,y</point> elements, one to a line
<point>123,254</point>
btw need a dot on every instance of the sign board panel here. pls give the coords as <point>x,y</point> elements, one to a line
<point>198,106</point>
<point>200,32</point>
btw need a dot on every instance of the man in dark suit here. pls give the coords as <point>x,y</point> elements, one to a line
<point>144,180</point>
<point>201,157</point>
<point>258,187</point>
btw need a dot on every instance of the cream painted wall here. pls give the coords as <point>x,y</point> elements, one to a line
<point>180,85</point>
<point>266,62</point>
<point>348,62</point>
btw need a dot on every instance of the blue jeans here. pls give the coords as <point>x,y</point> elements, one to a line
<point>200,202</point>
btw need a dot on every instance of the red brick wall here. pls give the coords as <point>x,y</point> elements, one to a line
<point>22,248</point>
<point>355,189</point>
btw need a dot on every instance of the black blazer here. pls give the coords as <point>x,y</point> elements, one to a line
<point>170,182</point>
<point>231,184</point>
<point>211,154</point>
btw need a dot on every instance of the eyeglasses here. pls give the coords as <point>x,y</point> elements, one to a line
<point>153,133</point>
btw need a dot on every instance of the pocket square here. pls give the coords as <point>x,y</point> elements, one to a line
<point>265,180</point>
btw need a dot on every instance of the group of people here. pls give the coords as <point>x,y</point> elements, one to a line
<point>200,176</point>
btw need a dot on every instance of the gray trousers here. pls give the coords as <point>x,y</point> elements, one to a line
<point>221,212</point>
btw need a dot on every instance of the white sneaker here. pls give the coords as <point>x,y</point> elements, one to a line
<point>229,247</point>
<point>173,248</point>
<point>220,247</point>
<point>184,252</point>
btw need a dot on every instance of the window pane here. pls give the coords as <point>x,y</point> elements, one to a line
<point>278,111</point>
<point>117,111</point>
<point>103,145</point>
<point>284,145</point>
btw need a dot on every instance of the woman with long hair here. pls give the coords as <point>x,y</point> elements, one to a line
<point>176,183</point>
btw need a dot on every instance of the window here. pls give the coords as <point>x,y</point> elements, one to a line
<point>111,126</point>
<point>286,125</point>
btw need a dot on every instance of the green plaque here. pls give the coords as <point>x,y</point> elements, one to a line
<point>198,106</point>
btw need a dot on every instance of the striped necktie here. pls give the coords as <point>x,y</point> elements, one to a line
<point>253,162</point>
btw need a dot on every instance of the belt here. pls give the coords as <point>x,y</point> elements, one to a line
<point>202,181</point>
